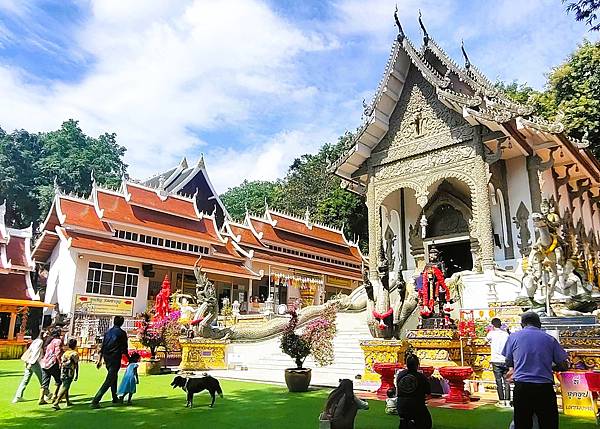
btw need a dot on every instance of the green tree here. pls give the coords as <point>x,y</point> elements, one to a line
<point>307,184</point>
<point>571,94</point>
<point>31,162</point>
<point>252,196</point>
<point>586,10</point>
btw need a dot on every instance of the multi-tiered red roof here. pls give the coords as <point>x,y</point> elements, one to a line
<point>16,264</point>
<point>95,224</point>
<point>287,240</point>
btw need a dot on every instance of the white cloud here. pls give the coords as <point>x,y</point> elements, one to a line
<point>160,71</point>
<point>264,161</point>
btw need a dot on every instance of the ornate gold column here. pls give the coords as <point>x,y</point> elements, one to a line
<point>374,232</point>
<point>483,214</point>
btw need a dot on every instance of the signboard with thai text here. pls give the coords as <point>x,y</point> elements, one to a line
<point>104,305</point>
<point>577,399</point>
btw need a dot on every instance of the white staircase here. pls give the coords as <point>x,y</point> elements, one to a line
<point>265,357</point>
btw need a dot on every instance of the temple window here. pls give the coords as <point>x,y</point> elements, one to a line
<point>160,242</point>
<point>112,280</point>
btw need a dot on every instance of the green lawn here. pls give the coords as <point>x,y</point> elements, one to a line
<point>245,405</point>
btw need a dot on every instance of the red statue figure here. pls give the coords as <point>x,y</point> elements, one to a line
<point>162,306</point>
<point>434,288</point>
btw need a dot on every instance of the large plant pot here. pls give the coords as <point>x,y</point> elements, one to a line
<point>297,380</point>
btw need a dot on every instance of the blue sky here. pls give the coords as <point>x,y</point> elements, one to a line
<point>251,84</point>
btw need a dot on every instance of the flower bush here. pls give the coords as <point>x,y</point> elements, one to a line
<point>162,332</point>
<point>317,338</point>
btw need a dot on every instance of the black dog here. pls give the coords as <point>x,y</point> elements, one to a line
<point>198,384</point>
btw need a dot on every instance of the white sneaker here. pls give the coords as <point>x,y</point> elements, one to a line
<point>14,401</point>
<point>500,404</point>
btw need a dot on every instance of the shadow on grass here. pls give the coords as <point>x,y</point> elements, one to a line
<point>11,374</point>
<point>264,407</point>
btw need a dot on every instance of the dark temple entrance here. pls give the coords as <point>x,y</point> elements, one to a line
<point>456,256</point>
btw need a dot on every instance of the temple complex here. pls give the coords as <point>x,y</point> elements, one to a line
<point>109,253</point>
<point>17,295</point>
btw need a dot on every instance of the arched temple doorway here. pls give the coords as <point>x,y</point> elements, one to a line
<point>447,216</point>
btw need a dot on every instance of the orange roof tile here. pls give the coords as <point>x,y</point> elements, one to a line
<point>314,266</point>
<point>45,245</point>
<point>162,256</point>
<point>15,252</point>
<point>14,286</point>
<point>299,227</point>
<point>81,214</point>
<point>116,209</point>
<point>270,234</point>
<point>173,205</point>
<point>247,237</point>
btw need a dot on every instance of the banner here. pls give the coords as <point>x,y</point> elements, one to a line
<point>577,399</point>
<point>338,282</point>
<point>100,305</point>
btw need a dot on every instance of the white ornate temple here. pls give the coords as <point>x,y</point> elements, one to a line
<point>445,159</point>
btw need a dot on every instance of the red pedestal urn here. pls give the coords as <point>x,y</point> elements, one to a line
<point>456,376</point>
<point>427,370</point>
<point>386,371</point>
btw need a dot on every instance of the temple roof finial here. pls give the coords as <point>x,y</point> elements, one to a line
<point>400,29</point>
<point>462,48</point>
<point>266,205</point>
<point>201,161</point>
<point>425,34</point>
<point>183,163</point>
<point>56,187</point>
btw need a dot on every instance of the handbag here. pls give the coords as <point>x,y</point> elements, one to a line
<point>324,422</point>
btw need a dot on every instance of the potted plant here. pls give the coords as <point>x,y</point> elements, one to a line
<point>151,337</point>
<point>158,333</point>
<point>317,339</point>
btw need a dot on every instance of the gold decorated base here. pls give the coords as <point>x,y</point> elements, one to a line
<point>382,351</point>
<point>12,349</point>
<point>202,354</point>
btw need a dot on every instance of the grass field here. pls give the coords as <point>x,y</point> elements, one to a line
<point>245,405</point>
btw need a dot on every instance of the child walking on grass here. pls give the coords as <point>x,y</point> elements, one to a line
<point>69,372</point>
<point>130,379</point>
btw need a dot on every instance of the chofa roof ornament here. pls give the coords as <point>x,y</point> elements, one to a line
<point>425,34</point>
<point>400,29</point>
<point>462,48</point>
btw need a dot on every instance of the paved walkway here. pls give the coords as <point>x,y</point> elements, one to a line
<point>276,376</point>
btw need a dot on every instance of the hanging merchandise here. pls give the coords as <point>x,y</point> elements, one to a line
<point>306,285</point>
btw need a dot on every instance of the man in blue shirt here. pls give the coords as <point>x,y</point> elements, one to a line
<point>114,345</point>
<point>532,355</point>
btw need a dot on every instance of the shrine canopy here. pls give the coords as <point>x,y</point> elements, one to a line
<point>512,130</point>
<point>16,264</point>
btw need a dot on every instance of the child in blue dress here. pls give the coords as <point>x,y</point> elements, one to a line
<point>130,379</point>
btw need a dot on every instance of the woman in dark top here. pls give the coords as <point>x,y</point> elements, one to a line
<point>342,406</point>
<point>412,387</point>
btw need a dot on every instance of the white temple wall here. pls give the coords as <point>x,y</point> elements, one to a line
<point>547,182</point>
<point>497,222</point>
<point>411,213</point>
<point>596,222</point>
<point>587,214</point>
<point>518,191</point>
<point>80,279</point>
<point>61,278</point>
<point>576,211</point>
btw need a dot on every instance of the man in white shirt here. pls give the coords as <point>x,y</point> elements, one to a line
<point>31,357</point>
<point>497,339</point>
